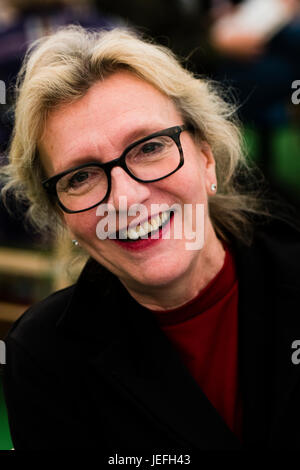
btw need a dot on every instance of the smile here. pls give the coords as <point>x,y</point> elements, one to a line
<point>143,230</point>
<point>157,227</point>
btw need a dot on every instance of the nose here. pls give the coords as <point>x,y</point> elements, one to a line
<point>123,185</point>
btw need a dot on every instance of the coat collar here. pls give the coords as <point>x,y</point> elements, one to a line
<point>124,340</point>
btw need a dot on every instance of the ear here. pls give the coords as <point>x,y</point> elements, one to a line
<point>209,167</point>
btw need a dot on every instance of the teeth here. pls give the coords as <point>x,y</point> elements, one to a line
<point>154,224</point>
<point>141,231</point>
<point>145,228</point>
<point>164,217</point>
<point>132,234</point>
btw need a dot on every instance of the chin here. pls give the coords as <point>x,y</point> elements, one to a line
<point>160,274</point>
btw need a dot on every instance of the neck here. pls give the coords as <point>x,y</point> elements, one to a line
<point>182,290</point>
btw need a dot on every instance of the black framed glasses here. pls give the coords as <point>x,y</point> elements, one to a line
<point>149,159</point>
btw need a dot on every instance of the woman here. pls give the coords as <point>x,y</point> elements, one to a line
<point>160,346</point>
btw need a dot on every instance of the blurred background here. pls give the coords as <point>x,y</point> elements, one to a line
<point>251,46</point>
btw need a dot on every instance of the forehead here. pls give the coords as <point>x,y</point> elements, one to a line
<point>108,117</point>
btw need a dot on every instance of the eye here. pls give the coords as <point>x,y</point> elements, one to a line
<point>81,180</point>
<point>78,178</point>
<point>151,147</point>
<point>150,151</point>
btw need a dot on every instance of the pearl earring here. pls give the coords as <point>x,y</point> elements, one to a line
<point>75,242</point>
<point>213,187</point>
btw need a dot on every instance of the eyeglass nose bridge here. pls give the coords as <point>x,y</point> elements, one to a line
<point>117,162</point>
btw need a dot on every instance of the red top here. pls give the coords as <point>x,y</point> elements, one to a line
<point>205,333</point>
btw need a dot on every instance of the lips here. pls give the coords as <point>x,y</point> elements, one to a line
<point>150,240</point>
<point>144,230</point>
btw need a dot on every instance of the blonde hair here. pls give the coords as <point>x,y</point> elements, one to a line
<point>61,68</point>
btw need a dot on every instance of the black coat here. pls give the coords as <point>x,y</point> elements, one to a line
<point>90,368</point>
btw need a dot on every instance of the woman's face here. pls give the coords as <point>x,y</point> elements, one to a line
<point>113,114</point>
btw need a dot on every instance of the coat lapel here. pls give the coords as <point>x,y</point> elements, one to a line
<point>126,343</point>
<point>254,347</point>
<point>164,386</point>
<point>140,359</point>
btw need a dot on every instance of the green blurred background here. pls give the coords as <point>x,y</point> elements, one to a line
<point>5,440</point>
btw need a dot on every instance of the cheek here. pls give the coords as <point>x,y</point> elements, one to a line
<point>190,182</point>
<point>82,225</point>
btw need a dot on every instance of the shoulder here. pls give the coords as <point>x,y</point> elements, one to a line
<point>274,251</point>
<point>49,330</point>
<point>278,243</point>
<point>35,330</point>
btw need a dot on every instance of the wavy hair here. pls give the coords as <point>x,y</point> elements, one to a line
<point>61,68</point>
